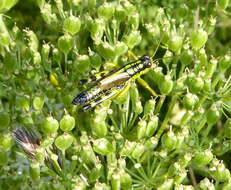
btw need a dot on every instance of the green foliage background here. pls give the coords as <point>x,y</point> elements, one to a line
<point>169,130</point>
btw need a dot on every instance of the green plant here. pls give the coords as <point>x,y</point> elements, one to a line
<point>173,134</point>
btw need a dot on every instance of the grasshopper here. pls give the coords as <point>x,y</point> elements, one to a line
<point>112,84</point>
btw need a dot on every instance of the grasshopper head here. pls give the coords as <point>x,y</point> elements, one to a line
<point>146,61</point>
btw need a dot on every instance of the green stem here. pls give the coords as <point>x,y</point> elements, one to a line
<point>167,117</point>
<point>201,125</point>
<point>146,86</point>
<point>159,104</point>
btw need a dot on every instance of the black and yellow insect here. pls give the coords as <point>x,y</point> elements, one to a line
<point>111,84</point>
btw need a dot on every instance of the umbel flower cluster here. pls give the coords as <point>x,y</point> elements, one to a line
<point>168,129</point>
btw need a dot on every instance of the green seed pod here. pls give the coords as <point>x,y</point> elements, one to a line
<point>152,125</point>
<point>211,68</point>
<point>203,58</point>
<point>33,41</point>
<point>95,59</point>
<point>183,11</point>
<point>127,148</point>
<point>56,55</point>
<point>101,186</point>
<point>190,100</point>
<point>23,102</point>
<point>45,51</point>
<point>133,39</point>
<point>213,115</point>
<point>3,158</point>
<point>183,187</point>
<point>35,171</point>
<point>169,140</point>
<point>223,4</point>
<point>91,4</point>
<point>158,75</point>
<point>82,63</point>
<point>38,102</point>
<point>72,25</point>
<point>123,96</point>
<point>198,38</point>
<point>207,85</point>
<point>141,129</point>
<point>4,120</point>
<point>106,11</point>
<point>205,184</point>
<point>130,8</point>
<point>106,50</point>
<point>99,127</point>
<point>87,155</point>
<point>6,141</point>
<point>149,107</point>
<point>126,180</point>
<point>138,151</point>
<point>186,57</point>
<point>97,28</point>
<point>36,58</point>
<point>115,181</point>
<point>103,146</point>
<point>220,173</point>
<point>5,39</point>
<point>120,48</point>
<point>195,84</point>
<point>168,184</point>
<point>185,160</point>
<point>151,143</point>
<point>120,13</point>
<point>175,43</point>
<point>227,127</point>
<point>64,141</point>
<point>138,108</point>
<point>174,169</point>
<point>134,93</point>
<point>202,158</point>
<point>67,123</point>
<point>166,85</point>
<point>96,172</point>
<point>50,125</point>
<point>179,178</point>
<point>65,43</point>
<point>134,21</point>
<point>225,63</point>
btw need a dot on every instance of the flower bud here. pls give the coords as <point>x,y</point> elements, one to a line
<point>65,43</point>
<point>190,100</point>
<point>64,141</point>
<point>50,125</point>
<point>38,102</point>
<point>223,4</point>
<point>67,123</point>
<point>35,171</point>
<point>152,125</point>
<point>132,39</point>
<point>106,11</point>
<point>4,120</point>
<point>72,25</point>
<point>169,140</point>
<point>202,158</point>
<point>166,85</point>
<point>103,146</point>
<point>198,38</point>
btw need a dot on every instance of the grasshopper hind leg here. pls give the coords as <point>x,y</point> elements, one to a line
<point>105,96</point>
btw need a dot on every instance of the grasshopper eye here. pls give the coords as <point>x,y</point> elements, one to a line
<point>148,64</point>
